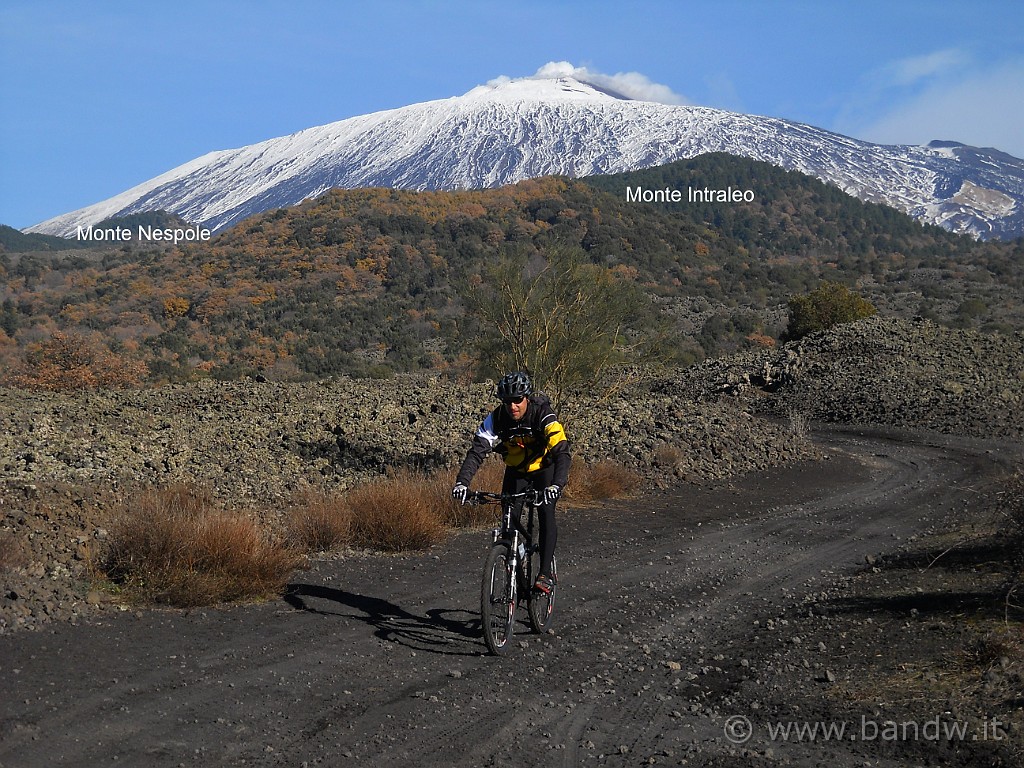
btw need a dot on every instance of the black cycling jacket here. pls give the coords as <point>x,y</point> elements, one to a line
<point>528,446</point>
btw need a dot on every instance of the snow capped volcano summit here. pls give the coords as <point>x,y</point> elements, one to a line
<point>570,122</point>
<point>530,90</point>
<point>630,85</point>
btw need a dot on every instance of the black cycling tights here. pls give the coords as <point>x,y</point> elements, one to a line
<point>517,483</point>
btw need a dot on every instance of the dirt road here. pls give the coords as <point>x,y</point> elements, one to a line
<point>668,610</point>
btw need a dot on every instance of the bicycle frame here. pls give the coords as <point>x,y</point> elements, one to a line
<point>511,556</point>
<point>512,528</point>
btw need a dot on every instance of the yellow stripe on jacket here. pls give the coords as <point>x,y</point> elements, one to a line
<point>520,448</point>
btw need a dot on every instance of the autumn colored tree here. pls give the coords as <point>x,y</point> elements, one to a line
<point>69,361</point>
<point>176,306</point>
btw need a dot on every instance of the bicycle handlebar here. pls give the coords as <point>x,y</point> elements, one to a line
<point>532,496</point>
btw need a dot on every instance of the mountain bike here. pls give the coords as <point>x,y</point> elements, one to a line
<point>511,566</point>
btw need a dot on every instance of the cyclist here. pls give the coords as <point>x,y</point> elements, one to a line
<point>525,431</point>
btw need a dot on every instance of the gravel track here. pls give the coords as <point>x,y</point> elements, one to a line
<point>668,623</point>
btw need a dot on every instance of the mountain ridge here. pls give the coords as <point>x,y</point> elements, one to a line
<point>509,131</point>
<point>372,281</point>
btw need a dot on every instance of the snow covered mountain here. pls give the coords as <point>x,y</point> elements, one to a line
<point>511,130</point>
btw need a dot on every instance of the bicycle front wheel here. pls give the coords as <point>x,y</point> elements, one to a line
<point>542,606</point>
<point>498,598</point>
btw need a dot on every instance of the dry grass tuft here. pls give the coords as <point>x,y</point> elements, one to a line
<point>173,546</point>
<point>1010,507</point>
<point>667,455</point>
<point>1001,645</point>
<point>320,523</point>
<point>604,479</point>
<point>396,513</point>
<point>177,547</point>
<point>798,423</point>
<point>490,475</point>
<point>438,489</point>
<point>488,478</point>
<point>1010,503</point>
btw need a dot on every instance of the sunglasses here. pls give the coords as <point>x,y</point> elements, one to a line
<point>513,400</point>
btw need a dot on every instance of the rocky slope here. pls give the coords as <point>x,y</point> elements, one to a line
<point>69,462</point>
<point>886,372</point>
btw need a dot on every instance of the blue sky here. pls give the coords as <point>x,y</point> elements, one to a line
<point>98,97</point>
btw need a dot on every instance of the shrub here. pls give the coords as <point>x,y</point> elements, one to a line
<point>799,423</point>
<point>827,305</point>
<point>69,361</point>
<point>570,323</point>
<point>396,513</point>
<point>490,475</point>
<point>488,478</point>
<point>173,546</point>
<point>667,455</point>
<point>971,309</point>
<point>760,340</point>
<point>320,523</point>
<point>605,479</point>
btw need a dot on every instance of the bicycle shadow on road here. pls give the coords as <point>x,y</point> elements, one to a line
<point>435,632</point>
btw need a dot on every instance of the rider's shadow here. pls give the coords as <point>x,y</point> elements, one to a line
<point>436,632</point>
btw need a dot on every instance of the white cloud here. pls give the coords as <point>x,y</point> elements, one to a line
<point>913,70</point>
<point>632,85</point>
<point>979,107</point>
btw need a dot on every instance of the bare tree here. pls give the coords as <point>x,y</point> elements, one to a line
<point>571,324</point>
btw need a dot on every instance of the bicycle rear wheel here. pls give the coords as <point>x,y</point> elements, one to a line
<point>542,606</point>
<point>498,598</point>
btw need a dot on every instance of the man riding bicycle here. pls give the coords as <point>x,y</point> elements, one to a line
<point>525,431</point>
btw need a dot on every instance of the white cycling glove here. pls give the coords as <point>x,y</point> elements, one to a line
<point>460,493</point>
<point>551,493</point>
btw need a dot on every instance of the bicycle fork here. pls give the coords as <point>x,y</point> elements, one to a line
<point>518,564</point>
